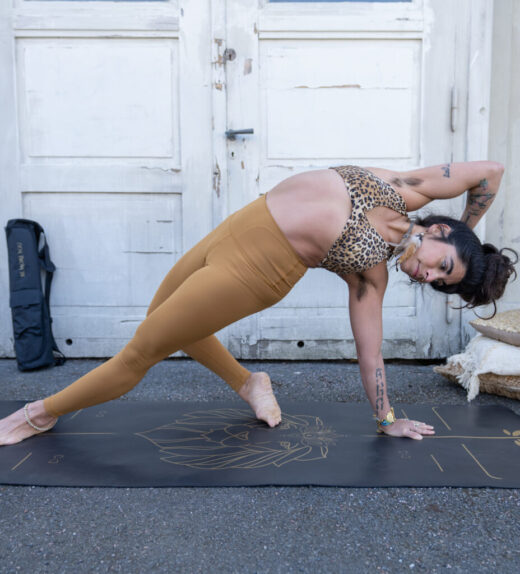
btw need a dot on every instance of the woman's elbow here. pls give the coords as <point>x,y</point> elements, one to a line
<point>496,169</point>
<point>368,354</point>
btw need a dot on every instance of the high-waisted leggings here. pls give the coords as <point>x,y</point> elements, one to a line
<point>245,265</point>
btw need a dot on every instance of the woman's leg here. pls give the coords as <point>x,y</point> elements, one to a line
<point>207,301</point>
<point>245,269</point>
<point>255,388</point>
<point>208,351</point>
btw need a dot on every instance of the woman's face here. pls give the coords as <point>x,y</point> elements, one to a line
<point>434,260</point>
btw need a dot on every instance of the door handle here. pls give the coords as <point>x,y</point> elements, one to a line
<point>231,134</point>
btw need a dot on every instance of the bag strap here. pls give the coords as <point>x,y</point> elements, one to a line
<point>48,266</point>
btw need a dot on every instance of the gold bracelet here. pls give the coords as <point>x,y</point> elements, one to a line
<point>386,421</point>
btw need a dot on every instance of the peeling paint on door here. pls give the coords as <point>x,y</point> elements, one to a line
<point>217,176</point>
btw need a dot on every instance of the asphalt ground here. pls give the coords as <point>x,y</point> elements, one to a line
<point>267,529</point>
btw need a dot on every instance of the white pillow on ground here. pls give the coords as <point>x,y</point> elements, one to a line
<point>484,355</point>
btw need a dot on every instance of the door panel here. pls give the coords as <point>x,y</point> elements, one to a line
<point>98,114</point>
<point>348,90</point>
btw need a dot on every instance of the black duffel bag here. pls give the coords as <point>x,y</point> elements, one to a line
<point>29,261</point>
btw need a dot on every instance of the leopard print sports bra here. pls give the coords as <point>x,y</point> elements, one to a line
<point>360,247</point>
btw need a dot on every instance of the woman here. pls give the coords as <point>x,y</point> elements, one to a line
<point>254,258</point>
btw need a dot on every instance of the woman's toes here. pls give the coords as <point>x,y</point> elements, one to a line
<point>258,392</point>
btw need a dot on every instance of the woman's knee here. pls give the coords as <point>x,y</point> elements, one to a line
<point>142,352</point>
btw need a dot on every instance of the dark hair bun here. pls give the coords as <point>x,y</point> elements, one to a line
<point>487,268</point>
<point>497,272</point>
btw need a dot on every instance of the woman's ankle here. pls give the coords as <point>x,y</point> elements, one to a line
<point>38,415</point>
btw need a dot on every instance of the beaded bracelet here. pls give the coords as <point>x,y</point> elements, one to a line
<point>30,423</point>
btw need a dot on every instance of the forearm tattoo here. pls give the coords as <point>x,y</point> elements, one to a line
<point>478,199</point>
<point>380,391</point>
<point>446,170</point>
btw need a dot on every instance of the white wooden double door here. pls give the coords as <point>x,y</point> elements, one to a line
<point>115,118</point>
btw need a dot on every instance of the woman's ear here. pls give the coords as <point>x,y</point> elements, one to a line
<point>439,229</point>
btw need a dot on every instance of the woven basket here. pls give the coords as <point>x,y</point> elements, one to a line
<point>503,327</point>
<point>503,385</point>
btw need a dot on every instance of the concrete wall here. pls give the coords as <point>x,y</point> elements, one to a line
<point>503,220</point>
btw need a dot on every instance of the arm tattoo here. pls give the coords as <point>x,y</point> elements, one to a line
<point>446,170</point>
<point>479,199</point>
<point>479,196</point>
<point>380,388</point>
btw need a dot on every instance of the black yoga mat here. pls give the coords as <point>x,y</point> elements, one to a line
<point>138,444</point>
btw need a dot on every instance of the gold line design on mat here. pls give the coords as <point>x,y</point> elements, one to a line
<point>54,433</point>
<point>437,463</point>
<point>230,438</point>
<point>22,461</point>
<point>75,414</point>
<point>478,462</point>
<point>440,436</point>
<point>447,425</point>
<point>515,434</point>
<point>404,414</point>
<point>437,436</point>
<point>56,459</point>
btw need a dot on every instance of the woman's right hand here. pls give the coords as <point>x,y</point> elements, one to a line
<point>408,428</point>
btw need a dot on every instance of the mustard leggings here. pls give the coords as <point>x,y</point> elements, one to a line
<point>245,265</point>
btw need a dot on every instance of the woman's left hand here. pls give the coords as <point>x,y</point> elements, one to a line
<point>409,428</point>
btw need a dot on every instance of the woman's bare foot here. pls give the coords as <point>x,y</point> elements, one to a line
<point>258,393</point>
<point>14,428</point>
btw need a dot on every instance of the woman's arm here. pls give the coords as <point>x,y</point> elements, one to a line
<point>480,179</point>
<point>482,195</point>
<point>366,318</point>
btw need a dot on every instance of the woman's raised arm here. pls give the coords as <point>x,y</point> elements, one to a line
<point>481,195</point>
<point>481,179</point>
